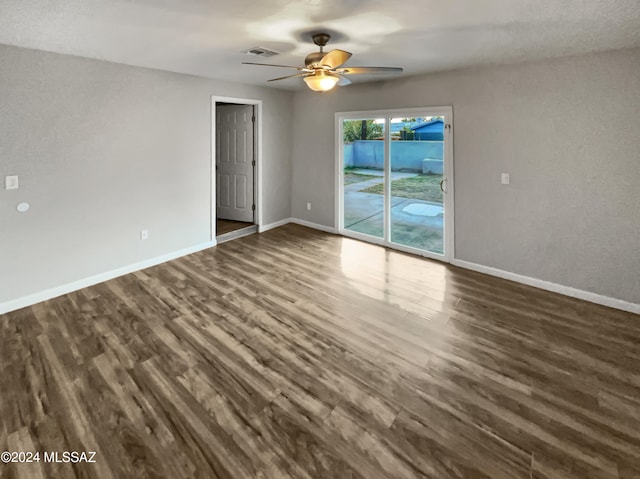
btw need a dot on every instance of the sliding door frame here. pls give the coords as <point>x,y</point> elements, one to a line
<point>447,112</point>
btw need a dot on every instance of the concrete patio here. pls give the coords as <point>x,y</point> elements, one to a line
<point>415,223</point>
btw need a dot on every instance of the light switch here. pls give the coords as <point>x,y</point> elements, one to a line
<point>11,182</point>
<point>505,179</point>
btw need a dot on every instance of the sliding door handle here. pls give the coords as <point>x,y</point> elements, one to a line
<point>442,183</point>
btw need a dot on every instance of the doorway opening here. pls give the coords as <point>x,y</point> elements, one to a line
<point>236,185</point>
<point>395,179</point>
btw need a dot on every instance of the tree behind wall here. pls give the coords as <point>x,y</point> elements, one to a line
<point>361,130</point>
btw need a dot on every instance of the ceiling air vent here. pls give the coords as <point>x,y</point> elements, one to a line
<point>260,52</point>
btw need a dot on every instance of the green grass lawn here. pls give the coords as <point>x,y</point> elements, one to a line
<point>350,177</point>
<point>421,187</point>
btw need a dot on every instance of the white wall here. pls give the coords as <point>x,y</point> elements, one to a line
<point>103,150</point>
<point>567,130</point>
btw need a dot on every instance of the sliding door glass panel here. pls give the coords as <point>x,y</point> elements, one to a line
<point>416,176</point>
<point>363,176</point>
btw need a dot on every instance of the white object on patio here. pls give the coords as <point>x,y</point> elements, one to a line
<point>422,209</point>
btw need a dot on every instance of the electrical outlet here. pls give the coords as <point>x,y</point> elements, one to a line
<point>505,178</point>
<point>11,182</point>
<point>308,206</point>
<point>144,235</point>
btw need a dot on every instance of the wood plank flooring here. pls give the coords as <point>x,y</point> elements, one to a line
<point>227,226</point>
<point>299,354</point>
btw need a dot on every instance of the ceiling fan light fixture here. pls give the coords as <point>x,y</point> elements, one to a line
<point>321,81</point>
<point>324,71</point>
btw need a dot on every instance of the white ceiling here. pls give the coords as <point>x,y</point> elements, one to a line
<point>205,37</point>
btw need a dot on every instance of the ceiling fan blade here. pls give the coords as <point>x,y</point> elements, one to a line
<point>335,58</point>
<point>365,70</point>
<point>289,76</point>
<point>344,81</point>
<point>280,66</point>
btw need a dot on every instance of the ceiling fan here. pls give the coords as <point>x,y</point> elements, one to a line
<point>323,71</point>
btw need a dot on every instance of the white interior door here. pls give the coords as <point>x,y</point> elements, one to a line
<point>235,162</point>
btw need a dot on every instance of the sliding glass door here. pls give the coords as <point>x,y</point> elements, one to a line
<point>395,171</point>
<point>363,183</point>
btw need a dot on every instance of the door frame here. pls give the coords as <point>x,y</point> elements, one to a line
<point>257,138</point>
<point>449,242</point>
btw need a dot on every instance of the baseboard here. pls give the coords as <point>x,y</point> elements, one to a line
<point>309,224</point>
<point>98,278</point>
<point>270,226</point>
<point>315,226</point>
<point>34,298</point>
<point>549,286</point>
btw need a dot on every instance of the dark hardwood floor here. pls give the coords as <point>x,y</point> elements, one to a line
<point>299,354</point>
